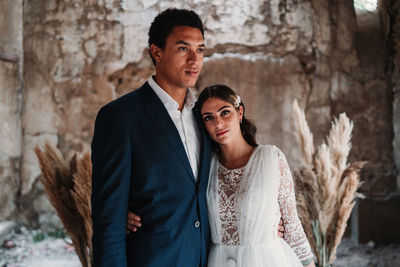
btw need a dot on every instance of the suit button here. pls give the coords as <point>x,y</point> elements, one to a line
<point>197,224</point>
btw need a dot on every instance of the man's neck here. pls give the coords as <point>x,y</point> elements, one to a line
<point>178,94</point>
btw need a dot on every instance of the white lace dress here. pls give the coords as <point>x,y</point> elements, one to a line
<point>245,206</point>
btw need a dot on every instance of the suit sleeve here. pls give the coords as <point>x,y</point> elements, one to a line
<point>111,161</point>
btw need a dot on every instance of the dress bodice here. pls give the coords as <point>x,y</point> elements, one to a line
<point>228,185</point>
<point>246,204</point>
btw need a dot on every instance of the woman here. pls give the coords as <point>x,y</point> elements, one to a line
<point>250,189</point>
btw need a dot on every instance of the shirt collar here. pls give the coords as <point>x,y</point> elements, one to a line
<point>168,101</point>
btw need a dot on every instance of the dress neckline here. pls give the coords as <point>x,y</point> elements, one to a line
<point>241,167</point>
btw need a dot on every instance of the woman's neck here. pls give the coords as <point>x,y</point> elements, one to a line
<point>235,154</point>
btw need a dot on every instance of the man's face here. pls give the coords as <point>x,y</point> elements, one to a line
<point>178,65</point>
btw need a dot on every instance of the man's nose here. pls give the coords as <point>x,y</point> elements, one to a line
<point>193,57</point>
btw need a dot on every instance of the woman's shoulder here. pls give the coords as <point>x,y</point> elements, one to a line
<point>269,148</point>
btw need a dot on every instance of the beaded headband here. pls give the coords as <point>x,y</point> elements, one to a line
<point>237,101</point>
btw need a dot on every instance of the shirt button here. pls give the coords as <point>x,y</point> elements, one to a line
<point>197,224</point>
<point>231,262</point>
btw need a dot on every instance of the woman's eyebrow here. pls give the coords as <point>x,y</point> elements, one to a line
<point>223,108</point>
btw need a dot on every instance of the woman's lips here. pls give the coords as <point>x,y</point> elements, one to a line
<point>219,134</point>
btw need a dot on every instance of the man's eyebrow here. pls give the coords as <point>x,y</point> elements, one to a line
<point>186,43</point>
<point>182,42</point>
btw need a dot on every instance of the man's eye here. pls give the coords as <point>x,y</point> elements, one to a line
<point>225,112</point>
<point>207,118</point>
<point>200,50</point>
<point>183,49</point>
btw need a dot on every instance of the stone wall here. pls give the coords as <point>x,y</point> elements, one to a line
<point>332,63</point>
<point>390,14</point>
<point>11,83</point>
<point>79,55</point>
<point>69,49</point>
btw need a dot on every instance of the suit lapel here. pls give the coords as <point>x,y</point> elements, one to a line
<point>158,113</point>
<point>205,149</point>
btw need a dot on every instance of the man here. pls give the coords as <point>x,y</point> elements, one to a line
<point>150,150</point>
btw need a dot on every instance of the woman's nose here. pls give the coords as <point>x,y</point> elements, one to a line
<point>218,122</point>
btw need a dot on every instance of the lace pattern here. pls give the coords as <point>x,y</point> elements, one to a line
<point>228,188</point>
<point>294,234</point>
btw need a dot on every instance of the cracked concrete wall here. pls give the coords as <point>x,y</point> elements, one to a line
<point>390,12</point>
<point>79,55</point>
<point>70,47</point>
<point>316,52</point>
<point>396,87</point>
<point>10,95</point>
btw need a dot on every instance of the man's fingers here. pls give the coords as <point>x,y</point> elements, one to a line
<point>132,228</point>
<point>133,216</point>
<point>281,228</point>
<point>134,223</point>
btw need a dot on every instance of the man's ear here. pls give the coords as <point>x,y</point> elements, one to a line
<point>156,52</point>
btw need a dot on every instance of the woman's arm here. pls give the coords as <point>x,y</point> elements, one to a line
<point>294,233</point>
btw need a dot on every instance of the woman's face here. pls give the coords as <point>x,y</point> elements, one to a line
<point>222,120</point>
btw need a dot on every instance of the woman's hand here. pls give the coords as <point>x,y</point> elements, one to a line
<point>133,222</point>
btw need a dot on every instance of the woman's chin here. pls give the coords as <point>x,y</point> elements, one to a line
<point>222,140</point>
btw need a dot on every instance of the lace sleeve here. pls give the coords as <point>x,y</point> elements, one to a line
<point>294,234</point>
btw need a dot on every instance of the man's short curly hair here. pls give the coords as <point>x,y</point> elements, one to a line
<point>164,24</point>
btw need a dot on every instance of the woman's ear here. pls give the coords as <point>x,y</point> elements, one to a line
<point>156,52</point>
<point>240,113</point>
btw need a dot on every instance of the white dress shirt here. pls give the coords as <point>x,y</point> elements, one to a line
<point>185,123</point>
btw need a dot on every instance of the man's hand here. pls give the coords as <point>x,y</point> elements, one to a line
<point>281,229</point>
<point>133,222</point>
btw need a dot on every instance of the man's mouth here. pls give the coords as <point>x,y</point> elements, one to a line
<point>192,72</point>
<point>219,134</point>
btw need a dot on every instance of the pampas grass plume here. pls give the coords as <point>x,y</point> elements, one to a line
<point>68,188</point>
<point>326,185</point>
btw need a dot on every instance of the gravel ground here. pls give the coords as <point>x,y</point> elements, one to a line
<point>351,254</point>
<point>36,249</point>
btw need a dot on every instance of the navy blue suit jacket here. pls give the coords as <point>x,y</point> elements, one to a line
<point>140,163</point>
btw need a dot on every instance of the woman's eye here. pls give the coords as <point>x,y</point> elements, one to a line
<point>225,112</point>
<point>207,118</point>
